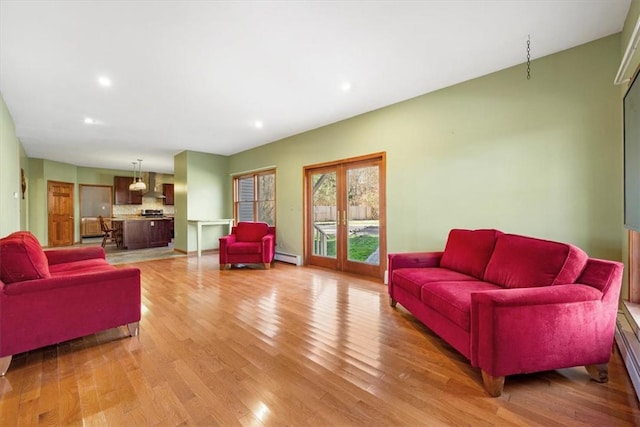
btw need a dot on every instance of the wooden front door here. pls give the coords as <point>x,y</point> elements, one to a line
<point>60,212</point>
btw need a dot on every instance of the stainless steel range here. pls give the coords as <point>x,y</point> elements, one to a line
<point>152,213</point>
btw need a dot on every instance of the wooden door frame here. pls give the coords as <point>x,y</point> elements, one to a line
<point>358,267</point>
<point>306,198</point>
<point>332,263</point>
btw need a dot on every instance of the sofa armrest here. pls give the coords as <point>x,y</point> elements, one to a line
<point>225,241</point>
<point>409,260</point>
<point>536,329</point>
<point>59,256</point>
<point>268,247</point>
<point>414,260</point>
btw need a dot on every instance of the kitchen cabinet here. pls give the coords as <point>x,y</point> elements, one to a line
<point>143,232</point>
<point>159,233</point>
<point>90,227</point>
<point>122,195</point>
<point>167,190</point>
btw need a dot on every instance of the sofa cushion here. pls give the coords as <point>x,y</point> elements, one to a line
<point>412,279</point>
<point>468,251</point>
<point>22,258</point>
<point>242,248</point>
<point>453,299</point>
<point>251,231</point>
<point>80,267</point>
<point>523,262</point>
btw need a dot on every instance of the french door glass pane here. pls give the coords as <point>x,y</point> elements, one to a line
<point>325,215</point>
<point>363,204</point>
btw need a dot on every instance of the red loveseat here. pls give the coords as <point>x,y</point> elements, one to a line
<point>248,243</point>
<point>48,297</point>
<point>512,304</point>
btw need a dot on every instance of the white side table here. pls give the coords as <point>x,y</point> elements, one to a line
<point>201,223</point>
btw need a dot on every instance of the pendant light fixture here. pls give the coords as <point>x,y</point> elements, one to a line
<point>132,186</point>
<point>137,185</point>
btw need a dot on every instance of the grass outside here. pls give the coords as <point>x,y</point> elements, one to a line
<point>360,247</point>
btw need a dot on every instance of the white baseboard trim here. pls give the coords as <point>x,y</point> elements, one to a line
<point>288,258</point>
<point>629,347</point>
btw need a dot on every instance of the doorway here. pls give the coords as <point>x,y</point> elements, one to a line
<point>61,213</point>
<point>345,223</point>
<point>95,201</point>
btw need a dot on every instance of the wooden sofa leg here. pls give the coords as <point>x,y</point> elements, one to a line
<point>392,302</point>
<point>599,373</point>
<point>267,265</point>
<point>134,329</point>
<point>493,385</point>
<point>225,266</point>
<point>4,364</point>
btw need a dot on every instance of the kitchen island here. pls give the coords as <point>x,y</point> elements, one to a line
<point>139,233</point>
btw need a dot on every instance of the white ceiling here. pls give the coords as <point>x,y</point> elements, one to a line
<point>197,75</point>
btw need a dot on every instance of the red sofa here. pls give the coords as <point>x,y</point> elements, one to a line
<point>248,243</point>
<point>512,304</point>
<point>48,297</point>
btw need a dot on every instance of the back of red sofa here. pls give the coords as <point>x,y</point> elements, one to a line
<point>469,251</point>
<point>526,262</point>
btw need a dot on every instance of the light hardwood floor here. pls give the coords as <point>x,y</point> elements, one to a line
<point>289,346</point>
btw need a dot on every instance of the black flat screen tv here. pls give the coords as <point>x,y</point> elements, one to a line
<point>631,106</point>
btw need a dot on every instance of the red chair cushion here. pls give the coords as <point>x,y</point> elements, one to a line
<point>244,248</point>
<point>22,258</point>
<point>251,231</point>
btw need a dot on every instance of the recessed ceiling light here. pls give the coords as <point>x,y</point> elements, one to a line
<point>258,124</point>
<point>89,121</point>
<point>104,81</point>
<point>346,86</point>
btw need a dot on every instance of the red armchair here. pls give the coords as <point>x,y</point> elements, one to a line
<point>48,297</point>
<point>248,243</point>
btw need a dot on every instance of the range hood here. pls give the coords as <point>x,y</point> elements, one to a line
<point>152,188</point>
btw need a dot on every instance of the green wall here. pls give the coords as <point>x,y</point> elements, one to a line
<point>24,200</point>
<point>630,22</point>
<point>201,192</point>
<point>10,184</point>
<point>180,240</point>
<point>540,157</point>
<point>96,176</point>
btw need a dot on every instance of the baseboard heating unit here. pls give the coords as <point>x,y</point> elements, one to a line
<point>288,258</point>
<point>629,347</point>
